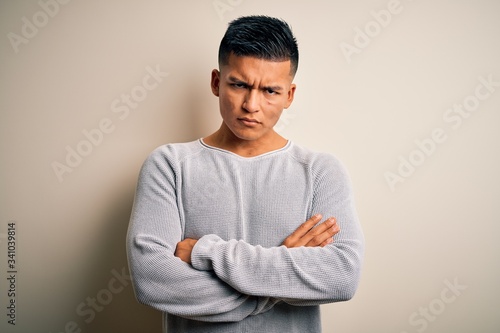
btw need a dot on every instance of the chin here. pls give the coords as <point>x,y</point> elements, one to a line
<point>250,134</point>
<point>247,137</point>
<point>244,135</point>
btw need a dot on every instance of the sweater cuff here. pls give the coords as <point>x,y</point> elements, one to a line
<point>200,255</point>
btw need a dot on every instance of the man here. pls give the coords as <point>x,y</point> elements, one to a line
<point>217,239</point>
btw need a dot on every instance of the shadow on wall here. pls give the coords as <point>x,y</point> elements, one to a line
<point>112,306</point>
<point>109,304</point>
<point>200,105</point>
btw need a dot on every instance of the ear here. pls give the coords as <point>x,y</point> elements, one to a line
<point>290,95</point>
<point>215,82</point>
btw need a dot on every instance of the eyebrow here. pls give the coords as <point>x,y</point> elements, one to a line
<point>236,80</point>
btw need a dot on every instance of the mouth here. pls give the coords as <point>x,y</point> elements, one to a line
<point>249,121</point>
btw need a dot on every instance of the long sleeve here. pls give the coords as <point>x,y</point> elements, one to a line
<point>162,280</point>
<point>298,276</point>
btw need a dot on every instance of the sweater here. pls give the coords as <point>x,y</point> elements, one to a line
<point>241,209</point>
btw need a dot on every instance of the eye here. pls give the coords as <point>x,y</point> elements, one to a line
<point>239,85</point>
<point>271,92</point>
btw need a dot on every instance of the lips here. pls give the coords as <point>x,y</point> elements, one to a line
<point>249,120</point>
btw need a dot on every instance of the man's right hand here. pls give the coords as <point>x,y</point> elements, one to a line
<point>308,235</point>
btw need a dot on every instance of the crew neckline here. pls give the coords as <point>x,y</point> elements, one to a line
<point>272,152</point>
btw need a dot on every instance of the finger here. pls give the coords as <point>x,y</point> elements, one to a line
<point>325,243</point>
<point>322,233</point>
<point>319,229</point>
<point>295,238</point>
<point>305,227</point>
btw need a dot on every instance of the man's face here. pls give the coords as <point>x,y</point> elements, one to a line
<point>252,95</point>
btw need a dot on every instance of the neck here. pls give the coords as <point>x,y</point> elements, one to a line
<point>246,148</point>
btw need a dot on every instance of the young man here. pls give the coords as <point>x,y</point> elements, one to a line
<point>217,239</point>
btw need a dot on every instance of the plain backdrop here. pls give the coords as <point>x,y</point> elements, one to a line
<point>406,93</point>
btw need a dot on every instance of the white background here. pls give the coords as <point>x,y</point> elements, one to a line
<point>435,226</point>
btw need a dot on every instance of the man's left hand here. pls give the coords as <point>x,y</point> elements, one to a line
<point>184,249</point>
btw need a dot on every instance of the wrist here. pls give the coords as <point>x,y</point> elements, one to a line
<point>201,253</point>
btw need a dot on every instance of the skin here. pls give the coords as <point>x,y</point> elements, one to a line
<point>254,89</point>
<point>252,95</point>
<point>305,235</point>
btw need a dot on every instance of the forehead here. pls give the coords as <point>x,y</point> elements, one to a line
<point>252,68</point>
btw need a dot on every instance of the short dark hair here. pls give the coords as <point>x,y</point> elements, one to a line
<point>262,37</point>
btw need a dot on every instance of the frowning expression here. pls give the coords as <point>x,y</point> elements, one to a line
<point>252,95</point>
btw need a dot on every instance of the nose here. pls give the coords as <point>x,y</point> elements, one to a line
<point>252,101</point>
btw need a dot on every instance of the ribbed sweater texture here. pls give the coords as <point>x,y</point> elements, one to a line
<point>241,209</point>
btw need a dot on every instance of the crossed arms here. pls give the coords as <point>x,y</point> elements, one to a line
<point>305,235</point>
<point>211,279</point>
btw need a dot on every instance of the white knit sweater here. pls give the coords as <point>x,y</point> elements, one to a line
<point>241,209</point>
